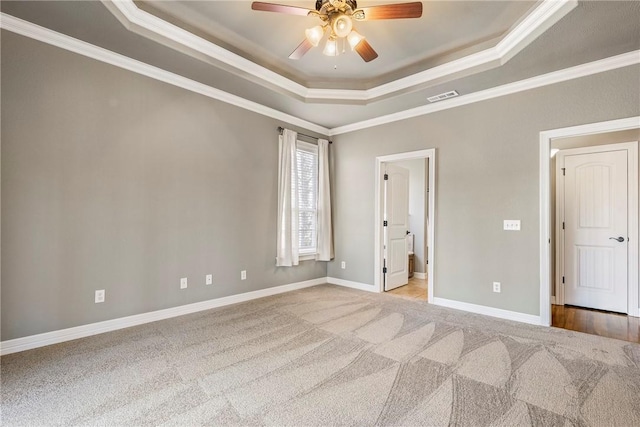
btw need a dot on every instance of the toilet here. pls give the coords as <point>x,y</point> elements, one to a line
<point>410,238</point>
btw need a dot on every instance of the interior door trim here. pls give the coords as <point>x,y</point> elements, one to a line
<point>632,197</point>
<point>378,214</point>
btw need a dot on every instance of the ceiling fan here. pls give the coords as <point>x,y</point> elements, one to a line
<point>337,18</point>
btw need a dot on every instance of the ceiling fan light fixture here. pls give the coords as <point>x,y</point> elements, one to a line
<point>331,48</point>
<point>314,35</point>
<point>354,38</point>
<point>342,25</point>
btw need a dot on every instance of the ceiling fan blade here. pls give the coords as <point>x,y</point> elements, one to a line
<point>279,8</point>
<point>365,50</point>
<point>391,11</point>
<point>301,49</point>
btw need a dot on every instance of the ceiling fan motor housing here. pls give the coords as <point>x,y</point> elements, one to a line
<point>350,3</point>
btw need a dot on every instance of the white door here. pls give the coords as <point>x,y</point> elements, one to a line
<point>596,230</point>
<point>396,217</point>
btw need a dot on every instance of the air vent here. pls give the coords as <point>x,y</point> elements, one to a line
<point>446,95</point>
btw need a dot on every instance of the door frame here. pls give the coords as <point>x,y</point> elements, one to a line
<point>632,211</point>
<point>379,214</point>
<point>545,207</point>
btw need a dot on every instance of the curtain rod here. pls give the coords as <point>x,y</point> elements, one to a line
<point>280,129</point>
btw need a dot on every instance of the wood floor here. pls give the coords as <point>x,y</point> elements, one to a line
<point>416,290</point>
<point>595,322</point>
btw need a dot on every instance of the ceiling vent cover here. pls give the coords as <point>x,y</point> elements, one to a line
<point>446,95</point>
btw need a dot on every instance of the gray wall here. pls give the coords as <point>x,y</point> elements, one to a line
<point>486,171</point>
<point>417,196</point>
<point>111,180</point>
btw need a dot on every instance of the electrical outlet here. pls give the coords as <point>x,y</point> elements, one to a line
<point>343,265</point>
<point>183,283</point>
<point>100,295</point>
<point>512,224</point>
<point>243,275</point>
<point>208,279</point>
<point>496,287</point>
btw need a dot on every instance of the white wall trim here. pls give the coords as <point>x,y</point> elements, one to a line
<point>488,311</point>
<point>379,201</point>
<point>539,20</point>
<point>62,41</point>
<point>532,26</point>
<point>144,20</point>
<point>55,337</point>
<point>350,284</point>
<point>595,67</point>
<point>545,197</point>
<point>420,276</point>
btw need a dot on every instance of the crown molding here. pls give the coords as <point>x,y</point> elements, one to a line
<point>62,41</point>
<point>532,26</point>
<point>538,21</point>
<point>138,19</point>
<point>595,67</point>
<point>45,35</point>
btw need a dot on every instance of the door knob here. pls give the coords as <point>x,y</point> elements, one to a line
<point>619,239</point>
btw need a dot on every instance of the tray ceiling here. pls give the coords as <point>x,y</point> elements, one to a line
<point>225,64</point>
<point>446,30</point>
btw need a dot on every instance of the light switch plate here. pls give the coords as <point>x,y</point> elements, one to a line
<point>183,283</point>
<point>512,224</point>
<point>100,295</point>
<point>208,279</point>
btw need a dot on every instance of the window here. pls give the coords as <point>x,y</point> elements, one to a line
<point>306,187</point>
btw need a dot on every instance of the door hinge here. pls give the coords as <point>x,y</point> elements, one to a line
<point>386,177</point>
<point>564,171</point>
<point>384,270</point>
<point>563,225</point>
<point>385,223</point>
<point>562,279</point>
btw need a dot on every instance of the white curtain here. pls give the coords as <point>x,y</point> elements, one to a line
<point>325,232</point>
<point>287,247</point>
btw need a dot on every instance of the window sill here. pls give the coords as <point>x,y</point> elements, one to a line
<point>307,257</point>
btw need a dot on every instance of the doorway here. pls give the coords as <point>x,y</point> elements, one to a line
<point>423,245</point>
<point>553,259</point>
<point>593,208</point>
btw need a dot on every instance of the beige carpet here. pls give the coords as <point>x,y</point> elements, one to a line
<point>327,356</point>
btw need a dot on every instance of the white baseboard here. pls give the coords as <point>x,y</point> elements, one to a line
<point>420,276</point>
<point>350,284</point>
<point>488,311</point>
<point>55,337</point>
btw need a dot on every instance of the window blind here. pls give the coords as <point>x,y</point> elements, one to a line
<point>306,185</point>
